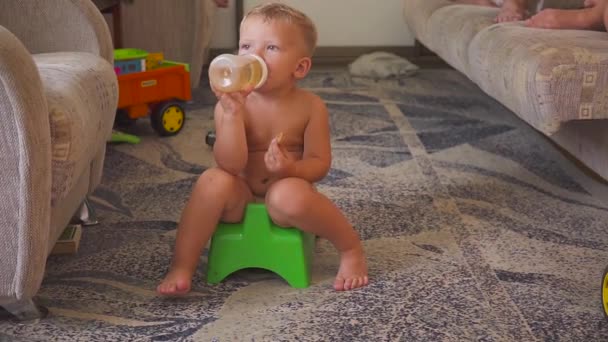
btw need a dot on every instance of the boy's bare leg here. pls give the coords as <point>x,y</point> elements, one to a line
<point>216,195</point>
<point>487,3</point>
<point>294,202</point>
<point>590,18</point>
<point>512,10</point>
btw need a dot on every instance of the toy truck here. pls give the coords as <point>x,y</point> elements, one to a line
<point>158,92</point>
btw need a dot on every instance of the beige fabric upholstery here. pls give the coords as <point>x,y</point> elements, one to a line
<point>417,13</point>
<point>441,24</point>
<point>25,171</point>
<point>57,25</point>
<point>547,77</point>
<point>588,141</point>
<point>77,121</point>
<point>56,111</point>
<point>181,30</point>
<point>552,79</point>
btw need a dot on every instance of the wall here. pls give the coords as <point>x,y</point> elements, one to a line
<point>340,22</point>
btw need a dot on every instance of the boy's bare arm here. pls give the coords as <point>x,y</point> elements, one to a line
<point>316,157</point>
<point>230,148</point>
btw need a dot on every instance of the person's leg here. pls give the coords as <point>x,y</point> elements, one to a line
<point>216,195</point>
<point>487,3</point>
<point>590,18</point>
<point>512,10</point>
<point>293,202</point>
<point>605,17</point>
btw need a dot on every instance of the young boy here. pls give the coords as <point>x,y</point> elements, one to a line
<point>273,143</point>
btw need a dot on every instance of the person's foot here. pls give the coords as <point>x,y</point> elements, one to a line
<point>353,270</point>
<point>487,3</point>
<point>511,11</point>
<point>176,283</point>
<point>591,18</point>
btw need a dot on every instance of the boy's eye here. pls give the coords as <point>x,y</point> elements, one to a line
<point>244,46</point>
<point>272,47</point>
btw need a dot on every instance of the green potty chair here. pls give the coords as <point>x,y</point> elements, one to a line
<point>258,243</point>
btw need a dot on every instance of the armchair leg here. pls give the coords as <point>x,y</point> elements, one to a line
<point>86,214</point>
<point>25,310</point>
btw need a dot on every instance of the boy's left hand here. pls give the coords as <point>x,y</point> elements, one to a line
<point>278,161</point>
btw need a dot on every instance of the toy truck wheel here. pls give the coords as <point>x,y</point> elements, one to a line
<point>123,119</point>
<point>168,118</point>
<point>605,292</point>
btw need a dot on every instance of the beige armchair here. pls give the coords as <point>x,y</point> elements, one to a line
<point>58,96</point>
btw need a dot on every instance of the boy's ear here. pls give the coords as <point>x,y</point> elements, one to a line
<point>303,68</point>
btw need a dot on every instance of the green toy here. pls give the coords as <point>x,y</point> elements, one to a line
<point>120,137</point>
<point>258,243</point>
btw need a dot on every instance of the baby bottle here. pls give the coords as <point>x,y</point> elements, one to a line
<point>230,73</point>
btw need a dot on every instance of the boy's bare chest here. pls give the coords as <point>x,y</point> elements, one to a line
<point>264,124</point>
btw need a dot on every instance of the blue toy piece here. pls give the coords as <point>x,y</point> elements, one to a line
<point>130,66</point>
<point>258,243</point>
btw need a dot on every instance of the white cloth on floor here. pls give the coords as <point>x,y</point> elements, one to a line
<point>381,65</point>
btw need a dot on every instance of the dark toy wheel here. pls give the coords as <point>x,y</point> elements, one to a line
<point>210,138</point>
<point>123,119</point>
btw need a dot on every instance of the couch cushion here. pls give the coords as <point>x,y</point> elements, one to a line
<point>451,29</point>
<point>78,87</point>
<point>545,76</point>
<point>417,13</point>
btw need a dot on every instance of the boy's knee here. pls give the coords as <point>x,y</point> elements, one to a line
<point>288,200</point>
<point>216,178</point>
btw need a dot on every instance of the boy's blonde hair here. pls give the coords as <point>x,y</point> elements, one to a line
<point>279,11</point>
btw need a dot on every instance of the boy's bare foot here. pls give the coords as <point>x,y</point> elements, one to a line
<point>591,18</point>
<point>176,283</point>
<point>487,3</point>
<point>511,11</point>
<point>353,270</point>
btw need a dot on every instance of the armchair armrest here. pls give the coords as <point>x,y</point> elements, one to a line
<point>58,25</point>
<point>25,171</point>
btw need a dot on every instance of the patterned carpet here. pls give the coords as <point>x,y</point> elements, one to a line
<point>476,228</point>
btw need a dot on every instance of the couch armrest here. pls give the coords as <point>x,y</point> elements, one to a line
<point>25,172</point>
<point>58,25</point>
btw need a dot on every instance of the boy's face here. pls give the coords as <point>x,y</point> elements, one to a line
<point>280,44</point>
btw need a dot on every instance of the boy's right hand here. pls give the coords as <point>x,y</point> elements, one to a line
<point>232,103</point>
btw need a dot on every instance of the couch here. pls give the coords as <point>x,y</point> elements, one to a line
<point>58,97</point>
<point>555,80</point>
